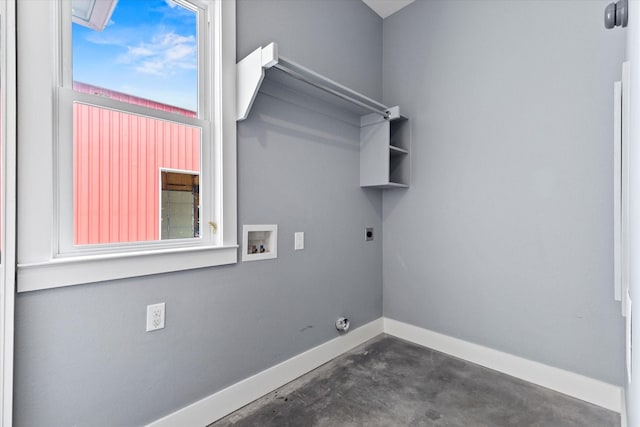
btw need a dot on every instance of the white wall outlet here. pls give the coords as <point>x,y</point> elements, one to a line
<point>155,317</point>
<point>298,239</point>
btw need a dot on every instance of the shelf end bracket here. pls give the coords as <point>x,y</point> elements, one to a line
<point>249,75</point>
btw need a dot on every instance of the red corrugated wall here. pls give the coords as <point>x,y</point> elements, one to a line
<point>117,158</point>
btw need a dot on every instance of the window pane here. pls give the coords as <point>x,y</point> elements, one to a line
<point>118,163</point>
<point>82,9</point>
<point>180,205</point>
<point>146,54</point>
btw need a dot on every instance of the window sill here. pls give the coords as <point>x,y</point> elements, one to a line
<point>60,272</point>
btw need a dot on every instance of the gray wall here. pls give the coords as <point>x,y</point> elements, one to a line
<point>82,356</point>
<point>505,237</point>
<point>340,39</point>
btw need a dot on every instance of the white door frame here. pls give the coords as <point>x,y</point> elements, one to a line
<point>8,206</point>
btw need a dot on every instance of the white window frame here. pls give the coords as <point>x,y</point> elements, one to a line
<point>47,257</point>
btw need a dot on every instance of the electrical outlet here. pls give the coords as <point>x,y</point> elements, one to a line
<point>155,317</point>
<point>368,234</point>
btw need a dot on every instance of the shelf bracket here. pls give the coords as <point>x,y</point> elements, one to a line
<point>252,69</point>
<point>250,73</point>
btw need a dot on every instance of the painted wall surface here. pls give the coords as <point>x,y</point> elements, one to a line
<point>299,27</point>
<point>632,391</point>
<point>82,355</point>
<point>505,238</point>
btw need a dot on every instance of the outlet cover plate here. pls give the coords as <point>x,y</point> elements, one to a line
<point>155,317</point>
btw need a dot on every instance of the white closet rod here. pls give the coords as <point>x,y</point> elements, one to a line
<point>289,67</point>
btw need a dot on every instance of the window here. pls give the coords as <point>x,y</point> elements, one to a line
<point>179,204</point>
<point>141,144</point>
<point>145,54</point>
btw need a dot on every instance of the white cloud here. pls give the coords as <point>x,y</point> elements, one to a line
<point>111,38</point>
<point>163,55</point>
<point>180,52</point>
<point>172,38</point>
<point>139,51</point>
<point>151,67</point>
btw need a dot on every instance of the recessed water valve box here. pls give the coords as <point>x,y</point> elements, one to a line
<point>259,242</point>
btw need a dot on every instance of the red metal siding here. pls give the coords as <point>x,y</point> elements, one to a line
<point>117,158</point>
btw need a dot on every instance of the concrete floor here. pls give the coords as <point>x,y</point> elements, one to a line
<point>390,382</point>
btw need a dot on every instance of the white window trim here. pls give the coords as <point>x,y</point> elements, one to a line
<point>43,262</point>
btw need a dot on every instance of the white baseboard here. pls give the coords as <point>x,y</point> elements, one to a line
<point>222,403</point>
<point>234,397</point>
<point>584,388</point>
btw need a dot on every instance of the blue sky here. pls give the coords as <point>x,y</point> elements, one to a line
<point>148,50</point>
